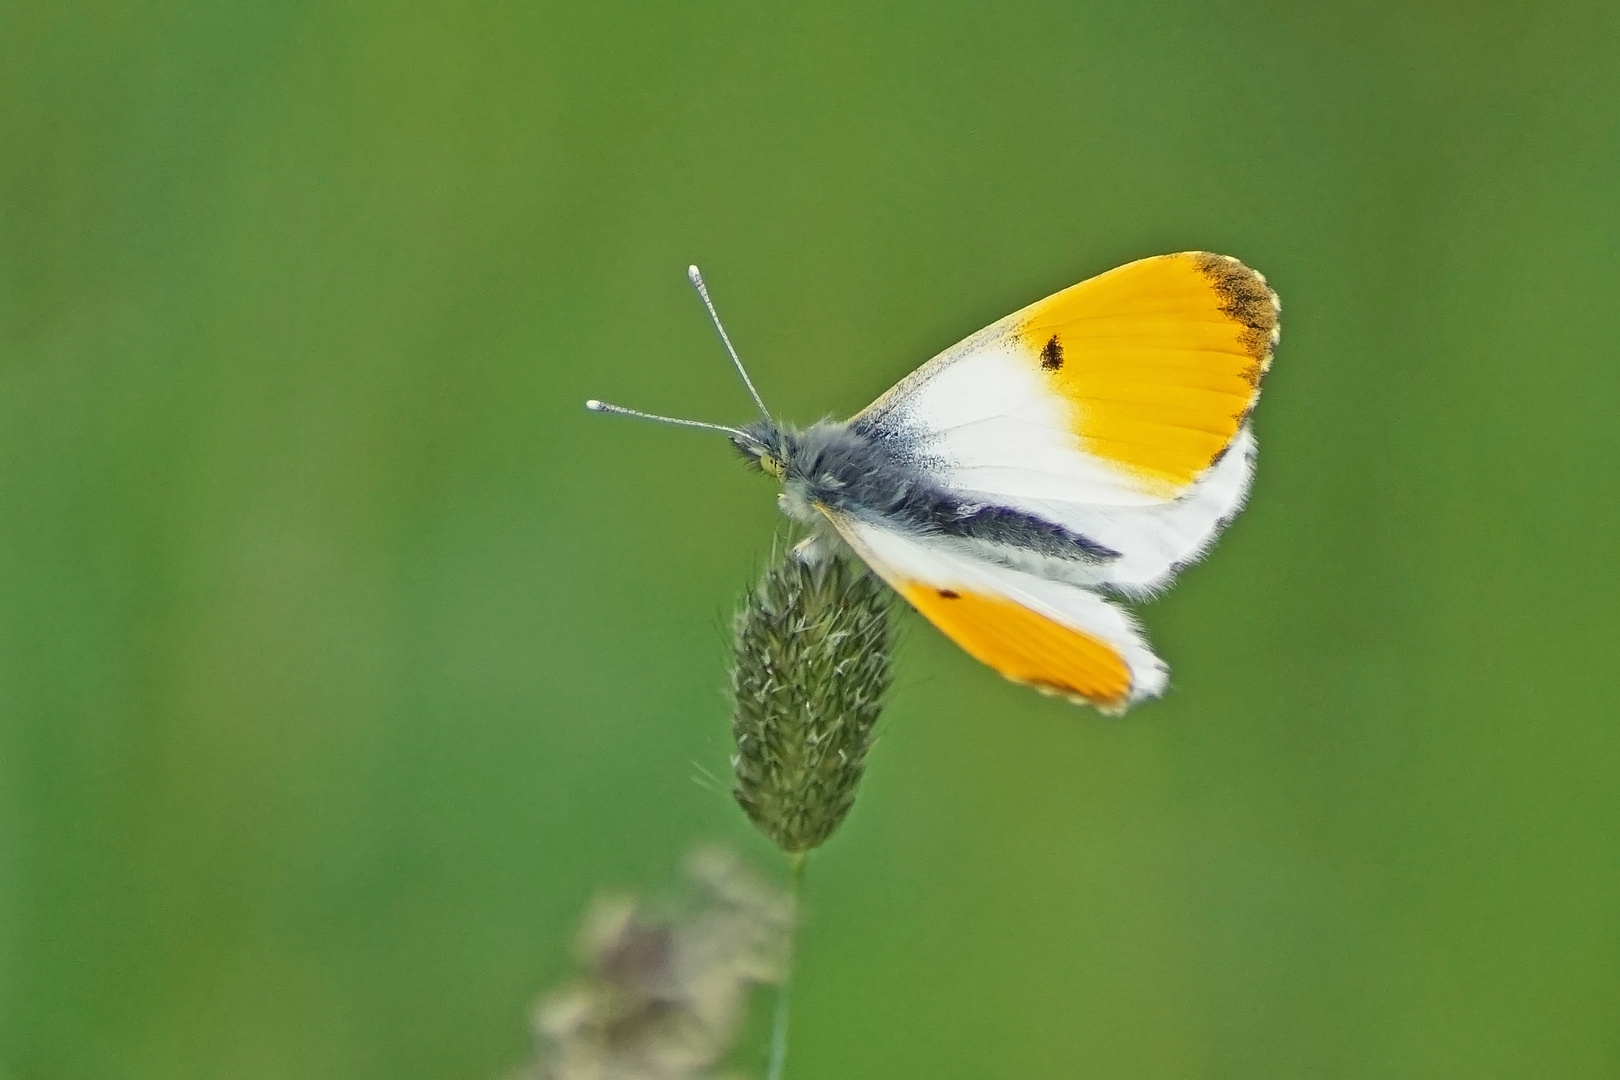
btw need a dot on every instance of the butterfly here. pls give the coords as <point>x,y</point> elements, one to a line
<point>1081,450</point>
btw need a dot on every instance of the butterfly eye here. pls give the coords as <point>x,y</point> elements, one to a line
<point>772,465</point>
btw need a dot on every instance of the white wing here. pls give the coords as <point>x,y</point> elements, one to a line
<point>1057,637</point>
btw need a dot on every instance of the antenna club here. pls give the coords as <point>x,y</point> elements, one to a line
<point>725,339</point>
<point>620,410</point>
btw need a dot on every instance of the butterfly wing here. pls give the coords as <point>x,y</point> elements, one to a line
<point>1055,636</point>
<point>1116,408</point>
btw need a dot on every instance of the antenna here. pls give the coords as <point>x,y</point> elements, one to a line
<point>620,410</point>
<point>703,291</point>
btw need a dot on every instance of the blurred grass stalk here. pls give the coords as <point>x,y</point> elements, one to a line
<point>665,987</point>
<point>811,666</point>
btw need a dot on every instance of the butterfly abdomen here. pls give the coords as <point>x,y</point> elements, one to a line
<point>1016,528</point>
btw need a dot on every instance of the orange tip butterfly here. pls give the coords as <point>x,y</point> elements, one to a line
<point>1087,447</point>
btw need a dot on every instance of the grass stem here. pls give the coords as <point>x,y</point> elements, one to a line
<point>779,1023</point>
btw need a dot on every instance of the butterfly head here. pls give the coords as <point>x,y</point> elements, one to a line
<point>825,467</point>
<point>778,451</point>
<point>767,446</point>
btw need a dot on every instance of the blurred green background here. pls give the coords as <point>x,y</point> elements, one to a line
<point>343,656</point>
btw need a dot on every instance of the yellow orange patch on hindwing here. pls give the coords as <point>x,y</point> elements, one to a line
<point>1025,646</point>
<point>1160,360</point>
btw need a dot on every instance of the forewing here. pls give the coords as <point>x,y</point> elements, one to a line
<point>1121,394</point>
<point>1057,637</point>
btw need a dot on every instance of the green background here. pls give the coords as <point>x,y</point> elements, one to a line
<point>343,656</point>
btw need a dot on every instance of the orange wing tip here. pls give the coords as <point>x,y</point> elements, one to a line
<point>1159,361</point>
<point>1029,648</point>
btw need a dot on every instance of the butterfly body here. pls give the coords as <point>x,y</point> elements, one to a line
<point>846,469</point>
<point>1087,447</point>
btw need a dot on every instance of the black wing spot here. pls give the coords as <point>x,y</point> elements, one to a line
<point>949,594</point>
<point>1052,354</point>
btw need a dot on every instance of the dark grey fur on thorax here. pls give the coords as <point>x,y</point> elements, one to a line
<point>878,476</point>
